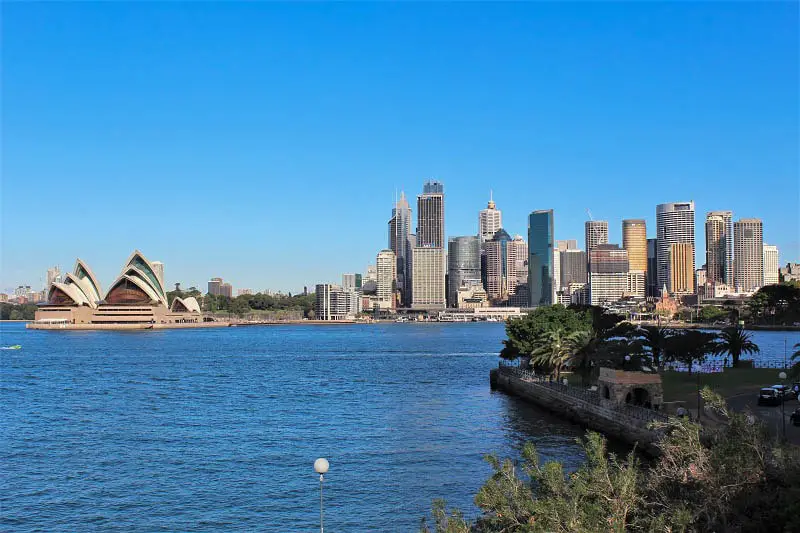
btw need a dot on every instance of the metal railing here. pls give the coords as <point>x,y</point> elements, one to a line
<point>591,397</point>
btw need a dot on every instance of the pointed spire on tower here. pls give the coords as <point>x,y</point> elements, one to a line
<point>491,200</point>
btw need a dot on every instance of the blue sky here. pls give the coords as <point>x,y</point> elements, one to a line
<point>264,142</point>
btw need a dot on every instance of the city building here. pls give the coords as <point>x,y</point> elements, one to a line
<point>400,243</point>
<point>497,266</point>
<point>371,274</point>
<point>596,233</point>
<point>540,257</point>
<point>22,291</point>
<point>471,295</point>
<point>427,279</point>
<point>701,277</point>
<point>719,247</point>
<point>463,263</point>
<point>136,298</point>
<point>680,269</point>
<point>158,268</point>
<point>226,289</point>
<point>490,220</point>
<point>573,267</point>
<point>634,240</point>
<point>674,224</point>
<point>430,216</point>
<point>214,285</point>
<point>608,274</point>
<point>386,265</point>
<point>332,302</point>
<point>53,276</point>
<point>652,268</point>
<point>635,284</point>
<point>516,271</point>
<point>3,297</point>
<point>748,249</point>
<point>771,265</point>
<point>244,292</point>
<point>791,272</point>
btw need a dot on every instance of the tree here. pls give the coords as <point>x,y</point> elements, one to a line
<point>239,307</point>
<point>525,332</point>
<point>553,350</point>
<point>711,313</point>
<point>736,341</point>
<point>691,346</point>
<point>655,340</point>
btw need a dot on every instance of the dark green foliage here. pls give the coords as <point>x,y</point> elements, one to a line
<point>10,311</point>
<point>690,346</point>
<point>712,313</point>
<point>262,302</point>
<point>775,304</point>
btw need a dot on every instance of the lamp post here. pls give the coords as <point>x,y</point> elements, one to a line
<point>321,467</point>
<point>782,377</point>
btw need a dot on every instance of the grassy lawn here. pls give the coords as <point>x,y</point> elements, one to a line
<point>682,386</point>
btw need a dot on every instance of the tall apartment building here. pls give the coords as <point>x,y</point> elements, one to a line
<point>214,285</point>
<point>332,302</point>
<point>652,269</point>
<point>680,268</point>
<point>560,246</point>
<point>634,240</point>
<point>674,224</point>
<point>463,263</point>
<point>497,266</point>
<point>158,270</point>
<point>430,216</point>
<point>719,247</point>
<point>596,233</point>
<point>771,265</point>
<point>748,249</point>
<point>516,269</point>
<point>53,276</point>
<point>540,257</point>
<point>427,279</point>
<point>490,220</point>
<point>608,274</point>
<point>386,274</point>
<point>573,267</point>
<point>400,243</point>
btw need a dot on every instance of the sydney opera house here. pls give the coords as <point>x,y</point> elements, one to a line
<point>136,299</point>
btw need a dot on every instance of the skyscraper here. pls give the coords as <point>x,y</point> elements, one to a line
<point>719,247</point>
<point>680,268</point>
<point>53,276</point>
<point>608,274</point>
<point>573,267</point>
<point>634,240</point>
<point>214,285</point>
<point>427,279</point>
<point>497,266</point>
<point>386,265</point>
<point>489,221</point>
<point>400,244</point>
<point>516,268</point>
<point>674,224</point>
<point>596,233</point>
<point>158,269</point>
<point>748,249</point>
<point>771,264</point>
<point>430,215</point>
<point>652,269</point>
<point>463,263</point>
<point>560,246</point>
<point>540,257</point>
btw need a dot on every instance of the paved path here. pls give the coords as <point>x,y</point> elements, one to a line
<point>769,414</point>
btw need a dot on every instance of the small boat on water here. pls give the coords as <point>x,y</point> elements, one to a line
<point>13,347</point>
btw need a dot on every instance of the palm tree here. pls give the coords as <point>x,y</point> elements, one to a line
<point>691,346</point>
<point>552,350</point>
<point>582,345</point>
<point>655,339</point>
<point>736,341</point>
<point>794,371</point>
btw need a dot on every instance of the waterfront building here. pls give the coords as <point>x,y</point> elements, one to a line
<point>540,257</point>
<point>497,266</point>
<point>719,247</point>
<point>573,267</point>
<point>791,272</point>
<point>136,297</point>
<point>471,295</point>
<point>427,278</point>
<point>430,216</point>
<point>771,264</point>
<point>596,233</point>
<point>674,224</point>
<point>158,268</point>
<point>516,269</point>
<point>652,268</point>
<point>386,265</point>
<point>608,274</point>
<point>680,268</point>
<point>463,263</point>
<point>634,240</point>
<point>332,302</point>
<point>748,249</point>
<point>490,220</point>
<point>400,243</point>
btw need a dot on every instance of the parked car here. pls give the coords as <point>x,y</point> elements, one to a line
<point>769,396</point>
<point>785,392</point>
<point>795,417</point>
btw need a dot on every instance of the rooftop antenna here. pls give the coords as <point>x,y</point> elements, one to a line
<point>589,213</point>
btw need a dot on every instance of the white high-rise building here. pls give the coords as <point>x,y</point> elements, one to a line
<point>596,234</point>
<point>719,247</point>
<point>386,267</point>
<point>53,276</point>
<point>400,243</point>
<point>748,250</point>
<point>158,268</point>
<point>771,264</point>
<point>427,279</point>
<point>335,303</point>
<point>674,225</point>
<point>371,274</point>
<point>490,220</point>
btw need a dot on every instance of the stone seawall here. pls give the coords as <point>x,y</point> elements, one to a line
<point>620,422</point>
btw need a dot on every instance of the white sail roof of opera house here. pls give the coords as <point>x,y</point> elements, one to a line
<point>83,271</point>
<point>85,286</point>
<point>185,305</point>
<point>58,290</point>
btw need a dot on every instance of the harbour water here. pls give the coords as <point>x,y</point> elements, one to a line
<point>218,429</point>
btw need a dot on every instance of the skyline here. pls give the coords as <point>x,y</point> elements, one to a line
<point>502,98</point>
